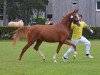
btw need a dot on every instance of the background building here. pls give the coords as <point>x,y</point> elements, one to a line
<point>90,9</point>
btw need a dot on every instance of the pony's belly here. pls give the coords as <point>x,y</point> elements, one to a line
<point>49,39</point>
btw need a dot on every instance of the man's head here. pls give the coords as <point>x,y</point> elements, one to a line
<point>80,17</point>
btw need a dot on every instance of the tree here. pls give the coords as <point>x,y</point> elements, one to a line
<point>40,6</point>
<point>22,8</point>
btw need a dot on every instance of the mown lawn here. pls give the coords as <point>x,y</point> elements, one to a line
<point>33,65</point>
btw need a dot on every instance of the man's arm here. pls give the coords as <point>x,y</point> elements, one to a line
<point>88,27</point>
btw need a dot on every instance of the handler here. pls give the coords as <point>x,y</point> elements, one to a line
<point>77,37</point>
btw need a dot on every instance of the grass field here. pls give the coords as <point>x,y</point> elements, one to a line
<point>33,65</point>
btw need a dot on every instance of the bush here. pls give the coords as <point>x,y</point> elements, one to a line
<point>41,21</point>
<point>95,35</point>
<point>6,32</point>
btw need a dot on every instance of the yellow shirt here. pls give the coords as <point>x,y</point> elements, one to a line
<point>77,30</point>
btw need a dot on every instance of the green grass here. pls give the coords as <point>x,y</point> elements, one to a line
<point>33,65</point>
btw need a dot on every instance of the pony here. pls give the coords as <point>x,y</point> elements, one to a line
<point>19,23</point>
<point>49,33</point>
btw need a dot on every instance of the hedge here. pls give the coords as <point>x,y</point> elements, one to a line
<point>95,35</point>
<point>6,32</point>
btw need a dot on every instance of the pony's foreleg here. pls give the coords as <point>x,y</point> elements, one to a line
<point>36,47</point>
<point>42,55</point>
<point>57,51</point>
<point>73,45</point>
<point>24,50</point>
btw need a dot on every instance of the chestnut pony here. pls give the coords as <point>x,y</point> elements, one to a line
<point>50,33</point>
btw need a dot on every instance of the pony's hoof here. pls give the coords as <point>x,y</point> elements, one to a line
<point>43,58</point>
<point>19,60</point>
<point>74,57</point>
<point>55,61</point>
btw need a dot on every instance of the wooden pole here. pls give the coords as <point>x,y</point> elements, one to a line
<point>4,13</point>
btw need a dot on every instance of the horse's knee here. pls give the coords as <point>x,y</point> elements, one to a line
<point>36,48</point>
<point>57,51</point>
<point>74,46</point>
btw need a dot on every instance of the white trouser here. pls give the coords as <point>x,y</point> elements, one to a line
<point>83,40</point>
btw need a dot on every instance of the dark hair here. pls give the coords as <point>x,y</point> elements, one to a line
<point>80,15</point>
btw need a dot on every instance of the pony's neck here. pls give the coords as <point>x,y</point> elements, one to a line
<point>66,21</point>
<point>68,25</point>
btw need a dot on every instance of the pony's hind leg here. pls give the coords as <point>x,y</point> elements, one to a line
<point>57,51</point>
<point>24,50</point>
<point>36,47</point>
<point>29,43</point>
<point>73,45</point>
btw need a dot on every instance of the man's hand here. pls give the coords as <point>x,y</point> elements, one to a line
<point>91,31</point>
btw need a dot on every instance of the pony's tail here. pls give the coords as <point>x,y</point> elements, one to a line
<point>21,32</point>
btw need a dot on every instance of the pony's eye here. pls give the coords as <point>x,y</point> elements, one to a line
<point>71,16</point>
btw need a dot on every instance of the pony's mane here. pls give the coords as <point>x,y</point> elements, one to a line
<point>65,18</point>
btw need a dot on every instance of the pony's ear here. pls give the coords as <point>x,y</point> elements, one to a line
<point>75,11</point>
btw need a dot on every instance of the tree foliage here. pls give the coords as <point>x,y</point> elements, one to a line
<point>24,8</point>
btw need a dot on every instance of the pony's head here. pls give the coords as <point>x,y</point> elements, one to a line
<point>72,17</point>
